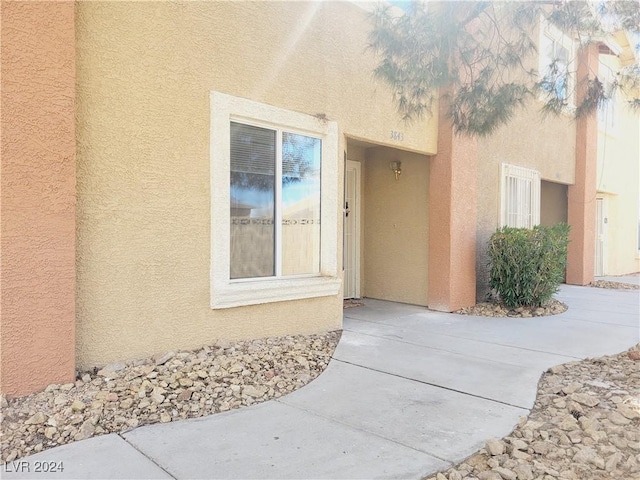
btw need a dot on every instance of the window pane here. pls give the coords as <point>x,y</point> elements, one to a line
<point>300,204</point>
<point>253,164</point>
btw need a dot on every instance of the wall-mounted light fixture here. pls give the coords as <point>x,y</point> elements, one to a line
<point>396,167</point>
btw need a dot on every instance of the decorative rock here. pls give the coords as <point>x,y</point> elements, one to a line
<point>252,391</point>
<point>86,431</point>
<point>37,419</point>
<point>506,474</point>
<point>523,472</point>
<point>185,382</point>
<point>628,412</point>
<point>541,448</point>
<point>585,399</point>
<point>164,358</point>
<point>489,475</point>
<point>588,455</point>
<point>518,444</point>
<point>112,397</point>
<point>455,475</point>
<point>495,447</point>
<point>572,388</point>
<point>617,419</point>
<point>612,461</point>
<point>184,396</point>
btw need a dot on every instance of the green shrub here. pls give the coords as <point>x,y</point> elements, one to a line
<point>528,265</point>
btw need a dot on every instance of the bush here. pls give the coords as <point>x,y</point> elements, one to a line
<point>528,265</point>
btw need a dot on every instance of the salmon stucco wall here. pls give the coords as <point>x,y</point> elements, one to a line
<point>581,205</point>
<point>452,220</point>
<point>37,340</point>
<point>145,73</point>
<point>396,227</point>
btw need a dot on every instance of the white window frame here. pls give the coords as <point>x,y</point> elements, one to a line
<point>227,293</point>
<point>548,35</point>
<point>521,175</point>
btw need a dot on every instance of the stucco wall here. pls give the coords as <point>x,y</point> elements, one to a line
<point>145,70</point>
<point>553,203</point>
<point>619,177</point>
<point>37,196</point>
<point>544,143</point>
<point>396,227</point>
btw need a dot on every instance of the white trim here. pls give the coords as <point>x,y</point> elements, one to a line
<point>356,166</point>
<point>522,177</point>
<point>224,292</point>
<point>278,210</point>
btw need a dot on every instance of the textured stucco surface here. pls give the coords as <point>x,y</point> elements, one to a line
<point>581,209</point>
<point>396,227</point>
<point>532,140</point>
<point>618,181</point>
<point>553,203</point>
<point>452,220</point>
<point>37,196</point>
<point>145,70</point>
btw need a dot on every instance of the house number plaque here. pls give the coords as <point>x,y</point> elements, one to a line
<point>397,136</point>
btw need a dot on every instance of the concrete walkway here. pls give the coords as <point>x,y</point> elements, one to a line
<point>409,392</point>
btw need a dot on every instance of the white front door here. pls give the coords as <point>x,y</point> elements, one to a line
<point>352,230</point>
<point>601,236</point>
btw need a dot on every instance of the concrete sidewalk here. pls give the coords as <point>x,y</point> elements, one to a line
<point>409,392</point>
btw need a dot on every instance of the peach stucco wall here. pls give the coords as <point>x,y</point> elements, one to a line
<point>452,219</point>
<point>145,72</point>
<point>582,194</point>
<point>37,195</point>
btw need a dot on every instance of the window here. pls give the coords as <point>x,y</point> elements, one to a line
<point>274,204</point>
<point>520,201</point>
<point>556,53</point>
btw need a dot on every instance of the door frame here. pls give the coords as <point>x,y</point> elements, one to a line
<point>355,210</point>
<point>600,264</point>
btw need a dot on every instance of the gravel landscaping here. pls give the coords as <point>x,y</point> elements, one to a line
<point>168,387</point>
<point>614,285</point>
<point>497,309</point>
<point>585,425</point>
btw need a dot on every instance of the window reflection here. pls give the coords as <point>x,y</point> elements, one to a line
<point>253,160</point>
<point>300,204</point>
